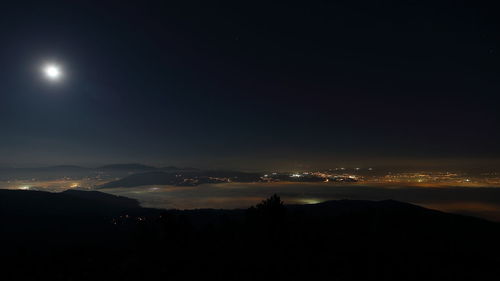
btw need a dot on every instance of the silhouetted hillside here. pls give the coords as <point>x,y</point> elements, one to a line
<point>66,203</point>
<point>78,235</point>
<point>149,178</point>
<point>44,214</point>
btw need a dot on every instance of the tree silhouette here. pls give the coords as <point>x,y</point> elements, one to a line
<point>271,206</point>
<point>270,213</point>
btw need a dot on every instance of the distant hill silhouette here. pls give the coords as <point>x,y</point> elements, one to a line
<point>66,167</point>
<point>174,168</point>
<point>133,166</point>
<point>182,178</point>
<point>72,171</point>
<point>149,178</point>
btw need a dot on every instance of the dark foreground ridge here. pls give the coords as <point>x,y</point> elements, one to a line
<point>79,235</point>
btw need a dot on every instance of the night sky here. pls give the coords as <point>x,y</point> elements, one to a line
<point>250,85</point>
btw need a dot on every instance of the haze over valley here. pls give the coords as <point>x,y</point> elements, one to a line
<point>470,193</point>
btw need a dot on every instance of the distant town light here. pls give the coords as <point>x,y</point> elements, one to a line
<point>311,201</point>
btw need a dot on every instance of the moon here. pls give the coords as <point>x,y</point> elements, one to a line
<point>52,72</point>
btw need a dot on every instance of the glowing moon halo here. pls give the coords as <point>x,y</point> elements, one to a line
<point>52,72</point>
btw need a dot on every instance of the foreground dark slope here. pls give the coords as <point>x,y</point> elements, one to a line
<point>61,216</point>
<point>79,235</point>
<point>70,202</point>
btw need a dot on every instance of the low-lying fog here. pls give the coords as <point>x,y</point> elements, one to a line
<point>476,201</point>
